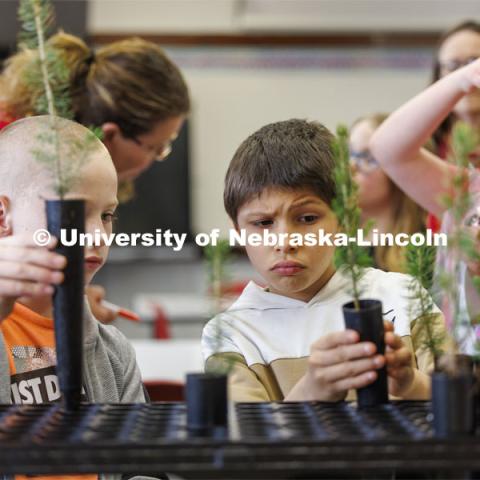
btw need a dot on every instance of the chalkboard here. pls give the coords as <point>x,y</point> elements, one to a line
<point>162,198</point>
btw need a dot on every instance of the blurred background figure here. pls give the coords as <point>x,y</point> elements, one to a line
<point>380,199</point>
<point>458,46</point>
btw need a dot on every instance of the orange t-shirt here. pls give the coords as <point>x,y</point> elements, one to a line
<point>30,344</point>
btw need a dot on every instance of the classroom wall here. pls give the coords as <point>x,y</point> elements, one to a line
<point>180,16</point>
<point>236,91</point>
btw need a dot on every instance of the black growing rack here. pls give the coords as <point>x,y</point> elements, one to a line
<point>276,440</point>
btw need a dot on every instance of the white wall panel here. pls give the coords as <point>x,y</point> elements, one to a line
<point>240,16</point>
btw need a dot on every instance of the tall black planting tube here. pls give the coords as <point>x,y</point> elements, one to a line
<point>368,322</point>
<point>453,396</point>
<point>68,299</point>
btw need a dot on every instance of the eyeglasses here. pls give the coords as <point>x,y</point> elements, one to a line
<point>364,161</point>
<point>473,221</point>
<point>452,65</point>
<point>158,154</point>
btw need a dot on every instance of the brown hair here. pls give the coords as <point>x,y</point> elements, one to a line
<point>445,127</point>
<point>290,154</point>
<point>408,217</point>
<point>131,83</point>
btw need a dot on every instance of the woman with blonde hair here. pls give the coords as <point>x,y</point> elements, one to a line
<point>380,199</point>
<point>129,89</point>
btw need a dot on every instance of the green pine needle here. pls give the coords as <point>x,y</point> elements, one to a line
<point>48,77</point>
<point>461,245</point>
<point>420,265</point>
<point>352,258</point>
<point>29,12</point>
<point>217,257</point>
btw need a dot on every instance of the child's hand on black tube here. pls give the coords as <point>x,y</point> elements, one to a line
<point>399,363</point>
<point>338,362</point>
<point>27,270</point>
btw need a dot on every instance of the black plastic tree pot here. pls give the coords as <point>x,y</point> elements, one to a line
<point>368,322</point>
<point>68,299</point>
<point>207,404</point>
<point>453,399</point>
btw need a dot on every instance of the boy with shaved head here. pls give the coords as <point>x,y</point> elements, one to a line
<point>29,273</point>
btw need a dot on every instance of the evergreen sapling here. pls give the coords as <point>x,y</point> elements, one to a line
<point>351,257</point>
<point>462,245</point>
<point>48,77</point>
<point>420,261</point>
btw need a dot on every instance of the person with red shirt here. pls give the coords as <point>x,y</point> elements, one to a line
<point>457,47</point>
<point>424,176</point>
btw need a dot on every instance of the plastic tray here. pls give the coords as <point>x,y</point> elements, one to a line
<point>277,440</point>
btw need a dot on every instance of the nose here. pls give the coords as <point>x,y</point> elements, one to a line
<point>286,248</point>
<point>284,241</point>
<point>92,226</point>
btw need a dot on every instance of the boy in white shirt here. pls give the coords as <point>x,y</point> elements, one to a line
<point>288,341</point>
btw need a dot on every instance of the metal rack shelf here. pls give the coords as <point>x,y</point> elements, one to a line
<point>278,440</point>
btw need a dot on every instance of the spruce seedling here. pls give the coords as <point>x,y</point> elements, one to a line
<point>49,75</point>
<point>351,257</point>
<point>217,258</point>
<point>420,261</point>
<point>462,247</point>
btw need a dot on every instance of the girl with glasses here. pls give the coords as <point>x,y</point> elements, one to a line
<point>458,47</point>
<point>380,199</point>
<point>397,145</point>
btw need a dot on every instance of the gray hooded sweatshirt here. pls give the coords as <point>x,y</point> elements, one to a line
<point>110,372</point>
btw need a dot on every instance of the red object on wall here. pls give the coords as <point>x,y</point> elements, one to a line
<point>161,324</point>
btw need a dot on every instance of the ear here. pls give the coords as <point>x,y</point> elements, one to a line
<point>110,130</point>
<point>5,217</point>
